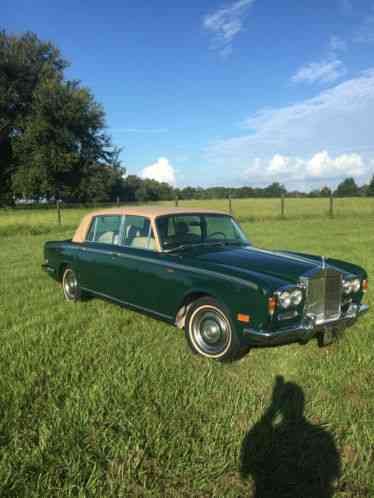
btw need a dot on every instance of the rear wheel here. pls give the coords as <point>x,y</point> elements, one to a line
<point>210,331</point>
<point>70,285</point>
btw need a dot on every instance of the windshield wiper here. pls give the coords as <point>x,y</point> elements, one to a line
<point>178,248</point>
<point>205,243</point>
<point>235,243</point>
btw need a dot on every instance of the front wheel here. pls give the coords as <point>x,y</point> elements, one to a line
<point>70,285</point>
<point>210,331</point>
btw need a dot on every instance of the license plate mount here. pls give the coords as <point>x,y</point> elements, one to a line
<point>327,337</point>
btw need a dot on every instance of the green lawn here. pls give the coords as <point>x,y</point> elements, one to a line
<point>100,401</point>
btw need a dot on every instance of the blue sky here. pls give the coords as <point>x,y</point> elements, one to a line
<point>233,93</point>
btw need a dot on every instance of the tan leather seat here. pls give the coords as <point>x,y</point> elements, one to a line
<point>142,243</point>
<point>106,238</point>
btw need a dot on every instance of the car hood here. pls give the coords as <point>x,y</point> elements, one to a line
<point>280,265</point>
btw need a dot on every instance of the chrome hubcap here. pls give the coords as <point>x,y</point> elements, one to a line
<point>211,331</point>
<point>70,285</point>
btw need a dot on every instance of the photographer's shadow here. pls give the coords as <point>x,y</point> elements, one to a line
<point>286,455</point>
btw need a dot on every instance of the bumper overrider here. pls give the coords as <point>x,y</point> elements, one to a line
<point>48,268</point>
<point>304,331</point>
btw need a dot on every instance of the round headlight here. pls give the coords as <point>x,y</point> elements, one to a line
<point>296,297</point>
<point>356,285</point>
<point>347,287</point>
<point>285,299</point>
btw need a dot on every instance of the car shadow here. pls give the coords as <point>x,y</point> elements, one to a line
<point>285,454</point>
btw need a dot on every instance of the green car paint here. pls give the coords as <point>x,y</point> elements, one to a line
<point>242,278</point>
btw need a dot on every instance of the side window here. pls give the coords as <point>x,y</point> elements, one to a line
<point>137,233</point>
<point>105,229</point>
<point>220,227</point>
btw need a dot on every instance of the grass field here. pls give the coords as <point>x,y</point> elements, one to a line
<point>100,401</point>
<point>34,222</point>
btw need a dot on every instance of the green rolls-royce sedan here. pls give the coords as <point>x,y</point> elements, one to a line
<point>197,270</point>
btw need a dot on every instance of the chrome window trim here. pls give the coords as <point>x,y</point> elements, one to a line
<point>95,228</point>
<point>121,230</point>
<point>121,233</point>
<point>149,234</point>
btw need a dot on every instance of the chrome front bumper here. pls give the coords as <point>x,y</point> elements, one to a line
<point>304,331</point>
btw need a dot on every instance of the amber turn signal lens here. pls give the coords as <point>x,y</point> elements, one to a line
<point>243,318</point>
<point>365,285</point>
<point>272,304</point>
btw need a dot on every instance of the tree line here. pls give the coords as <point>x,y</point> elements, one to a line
<point>347,188</point>
<point>54,144</point>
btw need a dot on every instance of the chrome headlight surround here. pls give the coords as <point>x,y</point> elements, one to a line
<point>297,297</point>
<point>356,285</point>
<point>290,297</point>
<point>351,286</point>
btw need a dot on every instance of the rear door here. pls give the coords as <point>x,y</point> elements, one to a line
<point>97,256</point>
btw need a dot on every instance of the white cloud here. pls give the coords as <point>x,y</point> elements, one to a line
<point>328,70</point>
<point>226,23</point>
<point>325,71</point>
<point>316,170</point>
<point>338,120</point>
<point>161,170</point>
<point>321,165</point>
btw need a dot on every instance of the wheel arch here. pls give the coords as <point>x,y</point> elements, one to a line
<point>188,299</point>
<point>62,267</point>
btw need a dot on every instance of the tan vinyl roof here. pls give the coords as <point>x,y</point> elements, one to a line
<point>150,212</point>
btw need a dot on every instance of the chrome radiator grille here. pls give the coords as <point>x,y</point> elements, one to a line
<point>324,291</point>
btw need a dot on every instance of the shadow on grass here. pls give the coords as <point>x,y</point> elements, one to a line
<point>286,455</point>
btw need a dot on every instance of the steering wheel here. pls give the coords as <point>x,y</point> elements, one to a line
<point>216,233</point>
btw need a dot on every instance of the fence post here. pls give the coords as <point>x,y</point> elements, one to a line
<point>59,212</point>
<point>176,200</point>
<point>331,210</point>
<point>117,200</point>
<point>282,206</point>
<point>230,204</point>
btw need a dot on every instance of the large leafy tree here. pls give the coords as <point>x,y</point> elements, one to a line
<point>25,61</point>
<point>63,144</point>
<point>52,132</point>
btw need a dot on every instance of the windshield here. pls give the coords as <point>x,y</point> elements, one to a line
<point>179,230</point>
